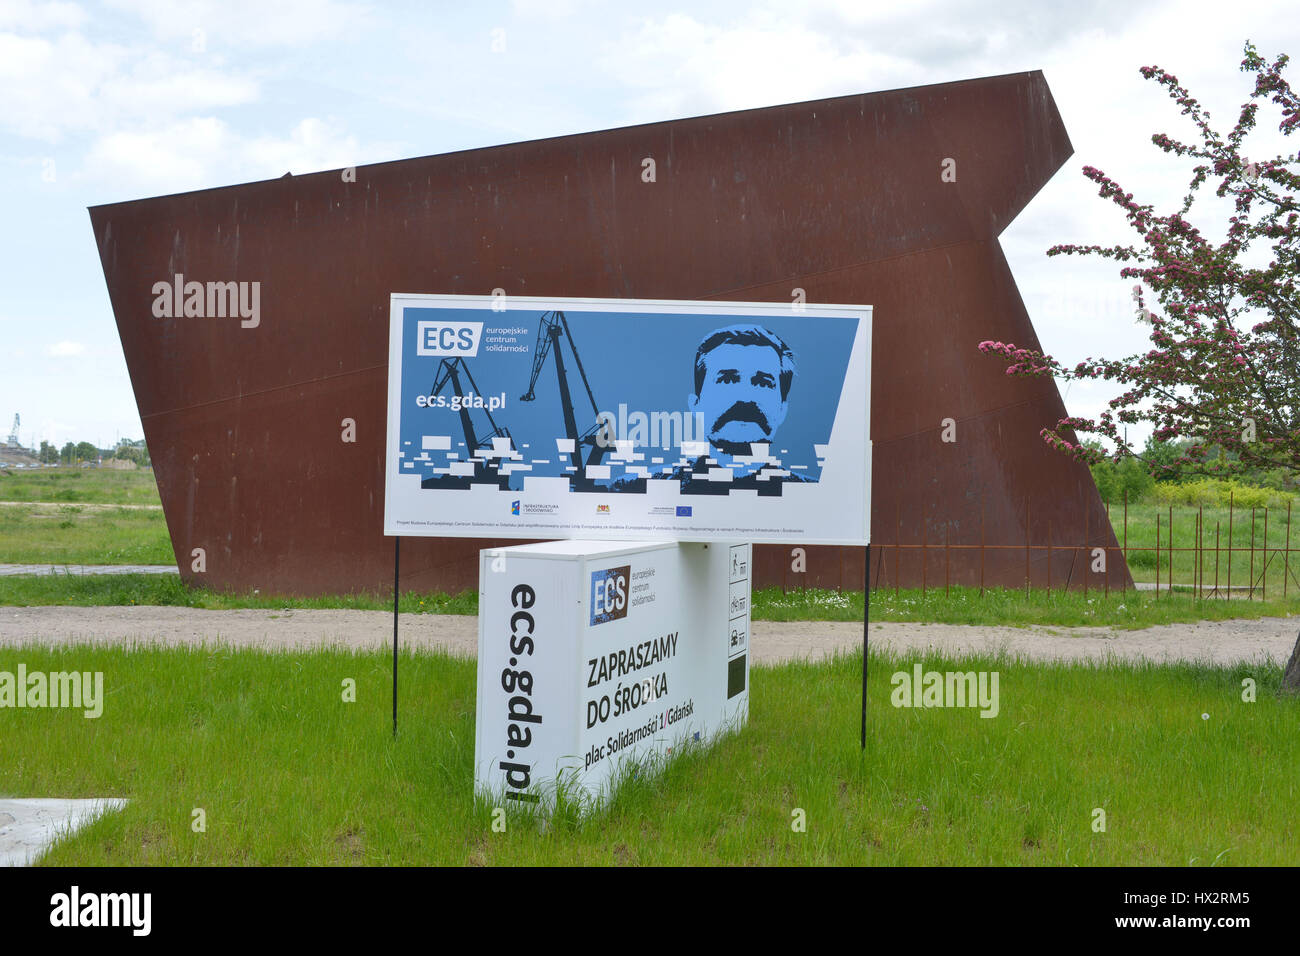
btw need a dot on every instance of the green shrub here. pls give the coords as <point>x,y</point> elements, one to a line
<point>1115,480</point>
<point>1216,492</point>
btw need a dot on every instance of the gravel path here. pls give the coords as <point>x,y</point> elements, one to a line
<point>80,505</point>
<point>46,570</point>
<point>1220,642</point>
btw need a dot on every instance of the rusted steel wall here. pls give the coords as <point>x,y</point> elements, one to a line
<point>843,198</point>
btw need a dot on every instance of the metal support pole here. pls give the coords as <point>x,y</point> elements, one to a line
<point>866,640</point>
<point>397,557</point>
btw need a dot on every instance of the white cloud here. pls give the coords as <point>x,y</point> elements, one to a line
<point>686,66</point>
<point>56,433</point>
<point>176,157</point>
<point>227,24</point>
<point>311,145</point>
<point>778,53</point>
<point>203,152</point>
<point>550,9</point>
<point>72,85</point>
<point>27,16</point>
<point>66,349</point>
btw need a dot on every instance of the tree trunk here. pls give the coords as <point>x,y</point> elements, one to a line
<point>1291,676</point>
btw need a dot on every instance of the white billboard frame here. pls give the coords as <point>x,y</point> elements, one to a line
<point>833,509</point>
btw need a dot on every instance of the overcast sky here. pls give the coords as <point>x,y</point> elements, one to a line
<point>119,100</point>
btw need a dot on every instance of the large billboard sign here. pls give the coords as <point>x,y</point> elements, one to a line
<point>628,419</point>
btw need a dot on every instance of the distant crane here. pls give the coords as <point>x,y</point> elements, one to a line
<point>13,433</point>
<point>554,326</point>
<point>449,372</point>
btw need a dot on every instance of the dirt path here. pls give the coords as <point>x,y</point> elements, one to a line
<point>1220,642</point>
<point>82,505</point>
<point>52,570</point>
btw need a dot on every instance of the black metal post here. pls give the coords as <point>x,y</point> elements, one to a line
<point>397,557</point>
<point>866,640</point>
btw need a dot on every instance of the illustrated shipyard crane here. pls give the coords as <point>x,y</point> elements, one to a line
<point>449,372</point>
<point>554,326</point>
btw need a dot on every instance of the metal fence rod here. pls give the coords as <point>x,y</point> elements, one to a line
<point>1196,561</point>
<point>1231,495</point>
<point>1200,550</point>
<point>1171,551</point>
<point>1087,533</point>
<point>1263,594</point>
<point>1250,595</point>
<point>898,537</point>
<point>981,547</point>
<point>947,525</point>
<point>925,527</point>
<point>1287,570</point>
<point>1105,567</point>
<point>1157,556</point>
<point>1268,559</point>
<point>1026,546</point>
<point>1126,534</point>
<point>1105,559</point>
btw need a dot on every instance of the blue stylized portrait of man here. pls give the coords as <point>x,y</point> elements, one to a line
<point>743,376</point>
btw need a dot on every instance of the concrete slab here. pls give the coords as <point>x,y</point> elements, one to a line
<point>30,827</point>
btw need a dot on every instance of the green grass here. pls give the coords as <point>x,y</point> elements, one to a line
<point>961,606</point>
<point>80,485</point>
<point>90,590</point>
<point>83,534</point>
<point>287,773</point>
<point>1012,608</point>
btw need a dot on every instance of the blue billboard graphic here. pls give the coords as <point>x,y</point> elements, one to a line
<point>610,401</point>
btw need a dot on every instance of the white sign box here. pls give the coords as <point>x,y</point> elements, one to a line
<point>597,656</point>
<point>628,419</point>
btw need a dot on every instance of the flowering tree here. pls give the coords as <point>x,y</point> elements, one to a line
<point>1223,370</point>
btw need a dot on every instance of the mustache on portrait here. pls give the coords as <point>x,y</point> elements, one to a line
<point>743,412</point>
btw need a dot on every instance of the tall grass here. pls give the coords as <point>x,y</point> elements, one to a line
<point>78,534</point>
<point>287,773</point>
<point>80,485</point>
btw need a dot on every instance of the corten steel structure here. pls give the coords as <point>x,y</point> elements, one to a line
<point>844,198</point>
